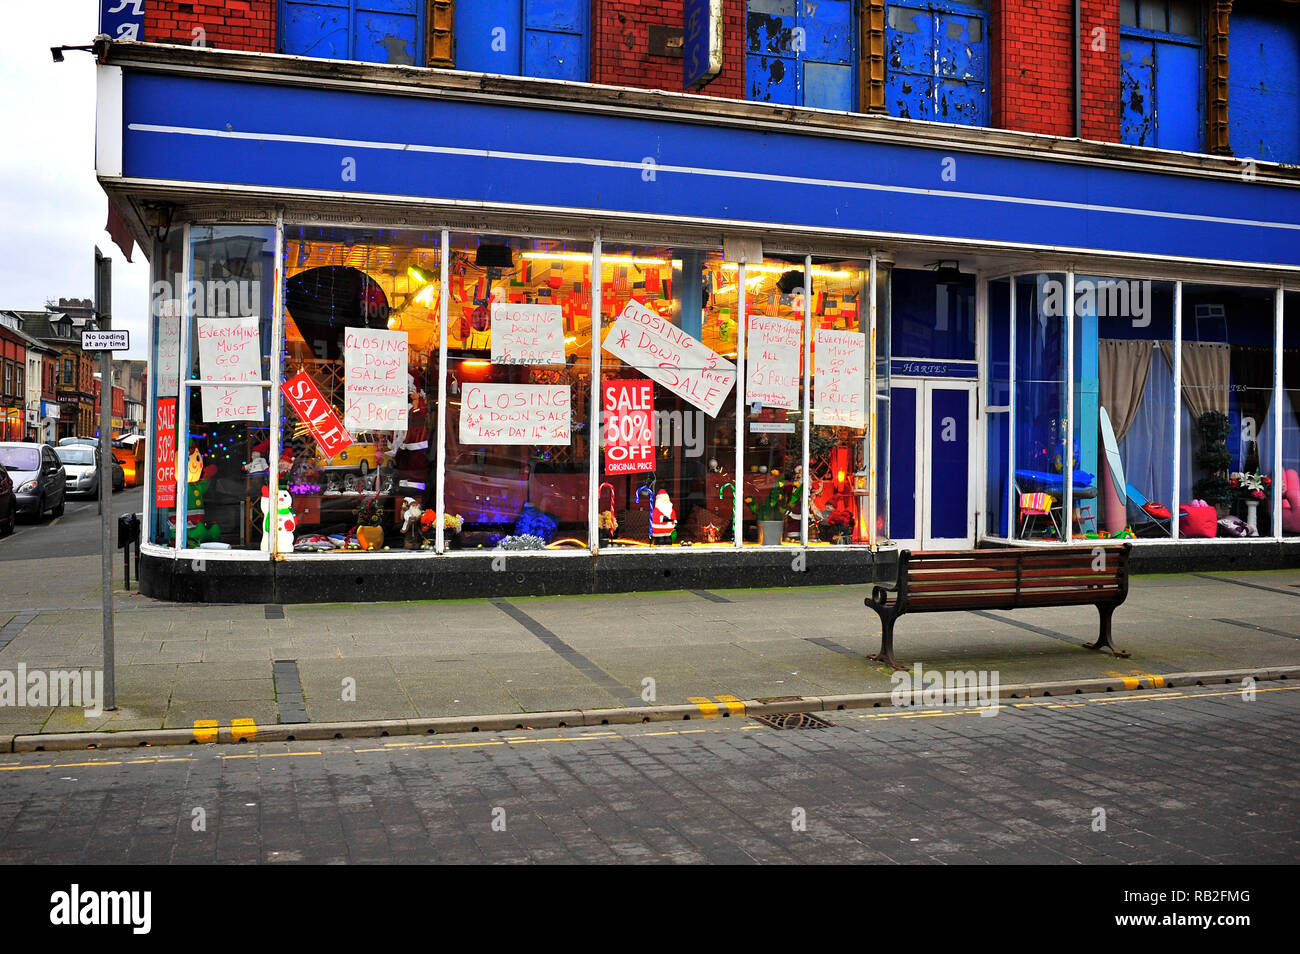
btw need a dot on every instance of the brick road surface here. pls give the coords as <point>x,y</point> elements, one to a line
<point>1190,775</point>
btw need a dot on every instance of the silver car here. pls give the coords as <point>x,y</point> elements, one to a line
<point>40,482</point>
<point>81,464</point>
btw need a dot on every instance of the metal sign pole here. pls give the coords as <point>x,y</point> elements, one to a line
<point>103,316</point>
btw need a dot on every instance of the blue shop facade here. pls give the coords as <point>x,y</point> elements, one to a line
<point>422,333</point>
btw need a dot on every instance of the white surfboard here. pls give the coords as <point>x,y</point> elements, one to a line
<point>1112,456</point>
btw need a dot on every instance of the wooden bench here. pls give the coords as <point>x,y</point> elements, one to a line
<point>944,581</point>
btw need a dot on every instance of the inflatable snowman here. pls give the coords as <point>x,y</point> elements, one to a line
<point>284,521</point>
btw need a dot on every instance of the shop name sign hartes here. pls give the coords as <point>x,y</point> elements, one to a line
<point>701,42</point>
<point>106,341</point>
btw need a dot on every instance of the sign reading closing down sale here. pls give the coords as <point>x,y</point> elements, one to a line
<point>374,377</point>
<point>230,350</point>
<point>840,392</point>
<point>527,334</point>
<point>514,414</point>
<point>663,352</point>
<point>772,372</point>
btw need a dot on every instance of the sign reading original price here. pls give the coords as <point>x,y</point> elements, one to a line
<point>628,427</point>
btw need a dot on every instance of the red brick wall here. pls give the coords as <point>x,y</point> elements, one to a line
<point>1032,71</point>
<point>620,47</point>
<point>228,24</point>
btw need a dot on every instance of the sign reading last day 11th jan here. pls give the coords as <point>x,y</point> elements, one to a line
<point>665,353</point>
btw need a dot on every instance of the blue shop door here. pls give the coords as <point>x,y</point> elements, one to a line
<point>930,476</point>
<point>936,64</point>
<point>372,31</point>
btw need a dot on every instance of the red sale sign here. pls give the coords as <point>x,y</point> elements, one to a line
<point>164,455</point>
<point>629,427</point>
<point>310,405</point>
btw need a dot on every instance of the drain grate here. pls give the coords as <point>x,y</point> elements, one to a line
<point>793,720</point>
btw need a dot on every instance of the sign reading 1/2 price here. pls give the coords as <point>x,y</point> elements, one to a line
<point>628,427</point>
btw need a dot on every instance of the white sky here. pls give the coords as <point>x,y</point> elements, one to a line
<point>52,210</point>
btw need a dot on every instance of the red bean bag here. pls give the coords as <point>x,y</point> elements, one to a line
<point>1198,521</point>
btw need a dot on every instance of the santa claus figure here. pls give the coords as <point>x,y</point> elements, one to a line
<point>663,519</point>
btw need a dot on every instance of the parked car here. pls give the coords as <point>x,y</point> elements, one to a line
<point>40,481</point>
<point>81,464</point>
<point>8,503</point>
<point>119,475</point>
<point>67,441</point>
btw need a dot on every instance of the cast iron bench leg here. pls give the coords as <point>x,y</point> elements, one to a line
<point>886,654</point>
<point>1103,636</point>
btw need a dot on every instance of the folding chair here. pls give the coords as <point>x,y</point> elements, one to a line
<point>1141,503</point>
<point>1039,504</point>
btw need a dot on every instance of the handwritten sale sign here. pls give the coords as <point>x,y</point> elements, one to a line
<point>840,389</point>
<point>772,372</point>
<point>309,404</point>
<point>230,350</point>
<point>527,334</point>
<point>374,379</point>
<point>533,414</point>
<point>164,488</point>
<point>169,347</point>
<point>628,426</point>
<point>667,354</point>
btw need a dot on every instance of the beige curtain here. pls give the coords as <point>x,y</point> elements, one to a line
<point>1207,372</point>
<point>1124,367</point>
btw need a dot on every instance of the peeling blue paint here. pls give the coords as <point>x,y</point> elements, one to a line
<point>800,53</point>
<point>937,62</point>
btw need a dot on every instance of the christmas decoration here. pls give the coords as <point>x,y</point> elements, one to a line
<point>284,521</point>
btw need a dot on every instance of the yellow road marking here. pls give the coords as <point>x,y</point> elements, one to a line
<point>23,768</point>
<point>731,702</point>
<point>205,730</point>
<point>243,729</point>
<point>268,755</point>
<point>83,764</point>
<point>707,707</point>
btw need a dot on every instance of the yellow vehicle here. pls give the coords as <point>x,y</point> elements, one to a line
<point>129,452</point>
<point>362,456</point>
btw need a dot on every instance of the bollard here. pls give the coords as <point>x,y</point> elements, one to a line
<point>128,533</point>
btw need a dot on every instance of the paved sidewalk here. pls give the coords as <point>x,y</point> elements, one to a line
<point>177,664</point>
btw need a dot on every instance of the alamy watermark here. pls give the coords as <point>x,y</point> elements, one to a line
<point>1104,297</point>
<point>73,688</point>
<point>929,687</point>
<point>235,298</point>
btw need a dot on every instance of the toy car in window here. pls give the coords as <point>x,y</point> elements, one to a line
<point>364,455</point>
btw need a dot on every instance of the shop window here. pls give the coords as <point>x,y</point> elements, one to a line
<point>1160,74</point>
<point>518,430</point>
<point>543,38</point>
<point>801,53</point>
<point>997,504</point>
<point>1264,83</point>
<point>1288,488</point>
<point>668,468</point>
<point>840,492</point>
<point>361,338</point>
<point>1041,423</point>
<point>1123,404</point>
<point>1227,413</point>
<point>228,304</point>
<point>937,62</point>
<point>372,31</point>
<point>932,320</point>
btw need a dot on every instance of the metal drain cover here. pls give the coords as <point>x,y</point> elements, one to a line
<point>793,720</point>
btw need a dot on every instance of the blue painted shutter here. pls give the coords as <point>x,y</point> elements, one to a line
<point>489,36</point>
<point>1264,86</point>
<point>936,65</point>
<point>555,39</point>
<point>1137,123</point>
<point>373,31</point>
<point>800,53</point>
